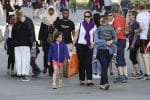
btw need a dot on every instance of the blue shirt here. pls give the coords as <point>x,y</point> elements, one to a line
<point>58,52</point>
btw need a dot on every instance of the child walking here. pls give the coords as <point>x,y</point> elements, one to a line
<point>57,53</point>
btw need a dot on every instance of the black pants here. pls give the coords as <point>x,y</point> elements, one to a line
<point>104,58</point>
<point>133,55</point>
<point>45,47</point>
<point>34,66</point>
<point>85,59</point>
<point>10,52</point>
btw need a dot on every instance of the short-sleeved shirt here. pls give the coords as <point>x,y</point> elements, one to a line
<point>119,22</point>
<point>66,27</point>
<point>134,26</point>
<point>143,18</point>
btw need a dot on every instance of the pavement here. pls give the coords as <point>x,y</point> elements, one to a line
<point>40,88</point>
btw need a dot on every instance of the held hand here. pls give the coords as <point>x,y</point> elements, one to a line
<point>5,47</point>
<point>91,46</point>
<point>68,60</point>
<point>132,46</point>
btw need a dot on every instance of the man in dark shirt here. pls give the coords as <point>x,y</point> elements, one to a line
<point>66,26</point>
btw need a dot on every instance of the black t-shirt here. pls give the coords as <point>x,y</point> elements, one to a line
<point>66,27</point>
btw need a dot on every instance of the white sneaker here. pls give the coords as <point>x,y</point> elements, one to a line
<point>94,76</point>
<point>60,83</point>
<point>54,86</point>
<point>98,76</point>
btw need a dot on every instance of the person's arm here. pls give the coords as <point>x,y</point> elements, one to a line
<point>66,51</point>
<point>136,31</point>
<point>50,52</point>
<point>98,41</point>
<point>40,37</point>
<point>73,29</point>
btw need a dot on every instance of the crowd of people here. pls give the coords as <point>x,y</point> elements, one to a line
<point>100,40</point>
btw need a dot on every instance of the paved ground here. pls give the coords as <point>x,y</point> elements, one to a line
<point>40,88</point>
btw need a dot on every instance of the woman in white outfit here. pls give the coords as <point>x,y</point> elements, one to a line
<point>21,35</point>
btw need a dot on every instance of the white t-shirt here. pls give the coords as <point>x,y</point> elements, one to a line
<point>82,34</point>
<point>10,30</point>
<point>144,20</point>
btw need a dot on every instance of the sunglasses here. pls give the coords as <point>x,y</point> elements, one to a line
<point>87,16</point>
<point>110,15</point>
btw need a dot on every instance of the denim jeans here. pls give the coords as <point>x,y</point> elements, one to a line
<point>104,58</point>
<point>96,66</point>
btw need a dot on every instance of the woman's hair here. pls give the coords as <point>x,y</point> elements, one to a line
<point>19,15</point>
<point>88,13</point>
<point>134,13</point>
<point>57,35</point>
<point>142,5</point>
<point>96,18</point>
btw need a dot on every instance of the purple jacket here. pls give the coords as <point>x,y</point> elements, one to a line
<point>58,52</point>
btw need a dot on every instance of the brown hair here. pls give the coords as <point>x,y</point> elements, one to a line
<point>142,5</point>
<point>134,13</point>
<point>57,35</point>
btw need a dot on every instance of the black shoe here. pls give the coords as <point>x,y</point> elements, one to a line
<point>90,84</point>
<point>44,70</point>
<point>36,74</point>
<point>82,82</point>
<point>105,87</point>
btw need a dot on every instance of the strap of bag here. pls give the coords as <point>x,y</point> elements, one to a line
<point>76,37</point>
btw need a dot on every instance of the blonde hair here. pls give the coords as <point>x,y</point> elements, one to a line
<point>142,5</point>
<point>19,14</point>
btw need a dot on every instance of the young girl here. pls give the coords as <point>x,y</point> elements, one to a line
<point>8,44</point>
<point>57,53</point>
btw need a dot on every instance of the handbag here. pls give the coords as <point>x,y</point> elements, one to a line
<point>71,68</point>
<point>33,50</point>
<point>1,35</point>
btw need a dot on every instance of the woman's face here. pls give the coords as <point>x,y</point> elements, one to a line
<point>110,16</point>
<point>87,17</point>
<point>12,20</point>
<point>51,11</point>
<point>131,17</point>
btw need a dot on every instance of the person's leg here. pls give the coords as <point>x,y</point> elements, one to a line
<point>121,63</point>
<point>55,72</point>
<point>88,65</point>
<point>12,63</point>
<point>81,58</point>
<point>103,57</point>
<point>25,56</point>
<point>94,68</point>
<point>35,69</point>
<point>60,76</point>
<point>18,60</point>
<point>45,51</point>
<point>145,57</point>
<point>9,63</point>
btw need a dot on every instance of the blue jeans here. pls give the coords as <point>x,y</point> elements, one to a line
<point>104,58</point>
<point>96,66</point>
